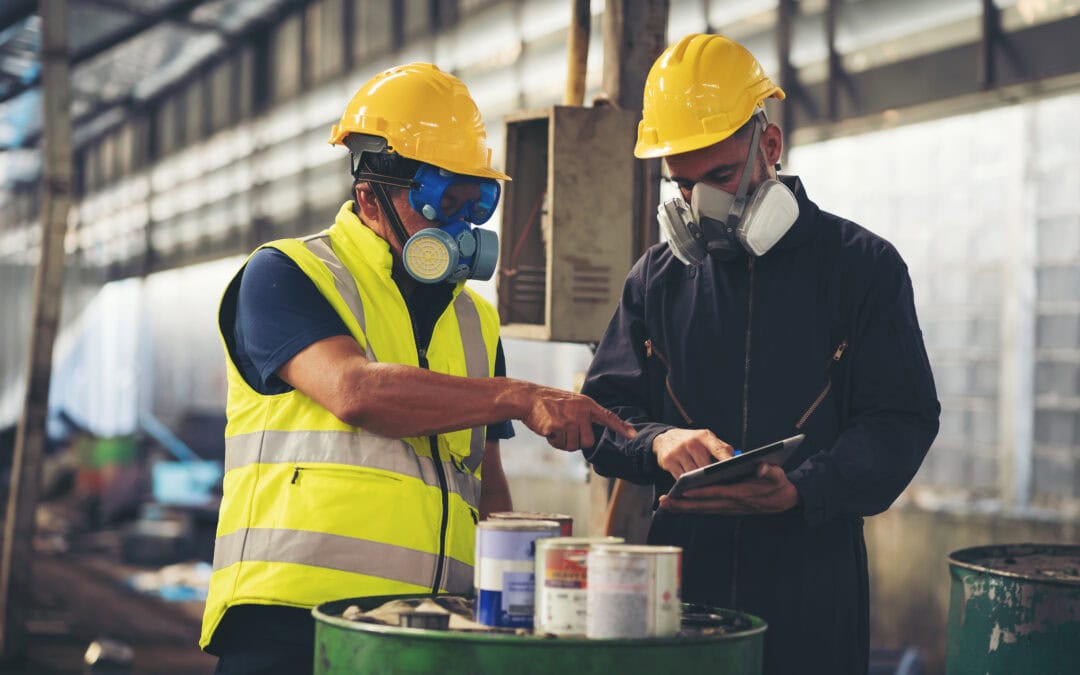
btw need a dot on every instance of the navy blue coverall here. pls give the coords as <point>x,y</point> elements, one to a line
<point>744,348</point>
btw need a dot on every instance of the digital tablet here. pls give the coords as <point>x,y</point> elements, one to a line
<point>736,468</point>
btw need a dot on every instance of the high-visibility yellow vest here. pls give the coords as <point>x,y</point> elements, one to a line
<point>314,509</point>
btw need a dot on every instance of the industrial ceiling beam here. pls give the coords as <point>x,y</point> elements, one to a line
<point>248,33</point>
<point>14,11</point>
<point>126,8</point>
<point>958,78</point>
<point>179,10</point>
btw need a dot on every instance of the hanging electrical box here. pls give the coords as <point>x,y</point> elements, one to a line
<point>567,219</point>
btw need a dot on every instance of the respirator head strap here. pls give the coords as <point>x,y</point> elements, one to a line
<point>378,184</point>
<point>393,181</point>
<point>741,198</point>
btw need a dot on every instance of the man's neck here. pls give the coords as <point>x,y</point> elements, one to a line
<point>405,283</point>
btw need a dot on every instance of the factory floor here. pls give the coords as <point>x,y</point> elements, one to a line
<point>77,598</point>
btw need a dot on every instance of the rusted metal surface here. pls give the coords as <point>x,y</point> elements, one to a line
<point>1014,609</point>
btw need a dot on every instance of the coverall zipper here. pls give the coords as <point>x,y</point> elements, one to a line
<point>433,443</point>
<point>746,369</point>
<point>745,427</point>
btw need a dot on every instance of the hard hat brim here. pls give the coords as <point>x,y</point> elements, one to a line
<point>682,145</point>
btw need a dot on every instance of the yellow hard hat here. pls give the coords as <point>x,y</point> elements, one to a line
<point>423,114</point>
<point>699,92</point>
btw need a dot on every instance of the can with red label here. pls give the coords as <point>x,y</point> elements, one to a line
<point>561,581</point>
<point>633,591</point>
<point>506,569</point>
<point>566,523</point>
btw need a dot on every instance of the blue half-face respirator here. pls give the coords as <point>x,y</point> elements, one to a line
<point>453,250</point>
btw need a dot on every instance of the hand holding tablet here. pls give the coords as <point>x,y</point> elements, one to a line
<point>737,468</point>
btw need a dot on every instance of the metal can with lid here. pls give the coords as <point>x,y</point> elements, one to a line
<point>505,570</point>
<point>633,591</point>
<point>566,523</point>
<point>561,582</point>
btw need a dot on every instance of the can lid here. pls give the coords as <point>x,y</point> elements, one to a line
<point>576,542</point>
<point>528,515</point>
<point>520,525</point>
<point>635,549</point>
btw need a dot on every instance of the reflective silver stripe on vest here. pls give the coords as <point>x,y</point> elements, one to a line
<point>344,282</point>
<point>476,364</point>
<point>468,317</point>
<point>348,448</point>
<point>333,551</point>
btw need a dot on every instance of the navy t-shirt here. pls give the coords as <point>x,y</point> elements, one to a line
<point>279,312</point>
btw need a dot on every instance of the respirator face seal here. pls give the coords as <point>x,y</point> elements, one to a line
<point>720,224</point>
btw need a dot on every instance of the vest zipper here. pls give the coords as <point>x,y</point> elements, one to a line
<point>650,350</point>
<point>828,385</point>
<point>433,443</point>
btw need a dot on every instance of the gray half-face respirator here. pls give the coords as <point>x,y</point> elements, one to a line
<point>719,223</point>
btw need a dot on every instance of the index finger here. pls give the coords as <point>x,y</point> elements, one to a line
<point>717,448</point>
<point>603,416</point>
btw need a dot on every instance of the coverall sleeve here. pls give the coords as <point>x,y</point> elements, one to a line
<point>892,408</point>
<point>617,380</point>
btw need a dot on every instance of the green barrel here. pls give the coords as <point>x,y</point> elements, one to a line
<point>1014,609</point>
<point>354,648</point>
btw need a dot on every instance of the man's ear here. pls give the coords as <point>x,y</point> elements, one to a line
<point>772,144</point>
<point>366,203</point>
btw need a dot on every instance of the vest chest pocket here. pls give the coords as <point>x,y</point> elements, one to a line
<point>320,473</point>
<point>349,501</point>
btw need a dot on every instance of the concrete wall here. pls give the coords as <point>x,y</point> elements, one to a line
<point>909,575</point>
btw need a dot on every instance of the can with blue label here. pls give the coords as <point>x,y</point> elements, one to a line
<point>505,574</point>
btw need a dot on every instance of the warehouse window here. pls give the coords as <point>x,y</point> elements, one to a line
<point>989,224</point>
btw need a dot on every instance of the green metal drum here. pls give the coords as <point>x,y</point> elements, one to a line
<point>348,647</point>
<point>1014,609</point>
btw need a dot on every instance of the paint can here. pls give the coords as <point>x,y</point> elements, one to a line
<point>566,523</point>
<point>561,581</point>
<point>633,591</point>
<point>506,569</point>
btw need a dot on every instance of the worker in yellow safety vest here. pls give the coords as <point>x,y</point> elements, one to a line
<point>365,401</point>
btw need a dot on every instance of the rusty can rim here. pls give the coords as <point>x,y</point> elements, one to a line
<point>955,559</point>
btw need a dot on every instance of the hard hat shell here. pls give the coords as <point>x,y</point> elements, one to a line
<point>423,114</point>
<point>699,92</point>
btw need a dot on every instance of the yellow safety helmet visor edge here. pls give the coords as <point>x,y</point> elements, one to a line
<point>700,91</point>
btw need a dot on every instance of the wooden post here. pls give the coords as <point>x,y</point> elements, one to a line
<point>15,573</point>
<point>635,33</point>
<point>577,52</point>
